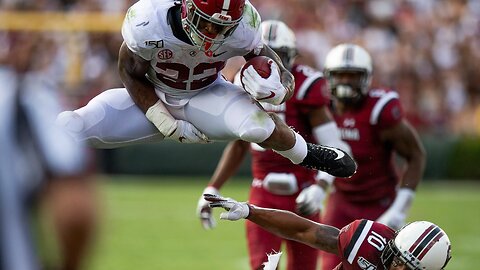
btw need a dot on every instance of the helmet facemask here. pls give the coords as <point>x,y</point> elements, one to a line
<point>391,252</point>
<point>349,91</point>
<point>194,19</point>
<point>387,256</point>
<point>353,62</point>
<point>287,55</point>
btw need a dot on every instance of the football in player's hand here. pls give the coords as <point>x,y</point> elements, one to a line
<point>261,64</point>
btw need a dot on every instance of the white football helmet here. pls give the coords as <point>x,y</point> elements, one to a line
<point>348,58</point>
<point>420,245</point>
<point>278,36</point>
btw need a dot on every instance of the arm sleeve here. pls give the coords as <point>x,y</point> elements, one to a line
<point>391,114</point>
<point>311,88</point>
<point>386,111</point>
<point>345,237</point>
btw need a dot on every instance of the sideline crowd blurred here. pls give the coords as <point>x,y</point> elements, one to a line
<point>427,50</point>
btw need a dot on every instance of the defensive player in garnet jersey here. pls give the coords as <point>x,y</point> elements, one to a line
<point>277,182</point>
<point>170,63</point>
<point>361,245</point>
<point>371,121</point>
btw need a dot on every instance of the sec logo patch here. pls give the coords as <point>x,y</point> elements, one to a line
<point>165,54</point>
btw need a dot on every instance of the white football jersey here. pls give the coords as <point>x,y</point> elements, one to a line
<point>177,68</point>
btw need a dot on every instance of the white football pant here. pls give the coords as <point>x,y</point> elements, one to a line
<point>222,111</point>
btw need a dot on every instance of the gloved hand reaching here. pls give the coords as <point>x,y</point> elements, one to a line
<point>310,200</point>
<point>236,210</point>
<point>204,212</point>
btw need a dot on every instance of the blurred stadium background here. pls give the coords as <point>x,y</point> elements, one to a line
<point>428,50</point>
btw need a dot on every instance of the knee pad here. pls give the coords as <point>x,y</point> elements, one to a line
<point>257,127</point>
<point>71,121</point>
<point>74,125</point>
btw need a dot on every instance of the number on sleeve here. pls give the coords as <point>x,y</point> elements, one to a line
<point>377,241</point>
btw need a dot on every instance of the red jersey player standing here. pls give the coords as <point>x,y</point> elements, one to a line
<point>277,183</point>
<point>361,245</point>
<point>371,121</point>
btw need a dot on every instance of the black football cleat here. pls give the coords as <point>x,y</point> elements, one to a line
<point>331,160</point>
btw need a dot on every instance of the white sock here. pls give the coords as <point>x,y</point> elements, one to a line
<point>298,152</point>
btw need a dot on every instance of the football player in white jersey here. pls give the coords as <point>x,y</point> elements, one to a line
<point>170,63</point>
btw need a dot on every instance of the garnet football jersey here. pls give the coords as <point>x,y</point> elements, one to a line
<point>360,128</point>
<point>361,243</point>
<point>177,67</point>
<point>310,93</point>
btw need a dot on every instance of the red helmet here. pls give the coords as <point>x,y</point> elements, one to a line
<point>224,16</point>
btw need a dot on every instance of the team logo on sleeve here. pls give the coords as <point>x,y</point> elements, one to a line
<point>165,54</point>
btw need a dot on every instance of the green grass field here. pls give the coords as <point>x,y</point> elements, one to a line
<point>152,224</point>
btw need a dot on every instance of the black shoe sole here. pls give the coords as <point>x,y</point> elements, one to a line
<point>327,159</point>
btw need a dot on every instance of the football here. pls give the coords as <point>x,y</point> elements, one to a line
<point>261,64</point>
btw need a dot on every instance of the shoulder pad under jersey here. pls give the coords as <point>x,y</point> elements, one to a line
<point>145,24</point>
<point>248,35</point>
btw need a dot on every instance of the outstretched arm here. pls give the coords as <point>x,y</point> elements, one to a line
<point>292,226</point>
<point>280,222</point>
